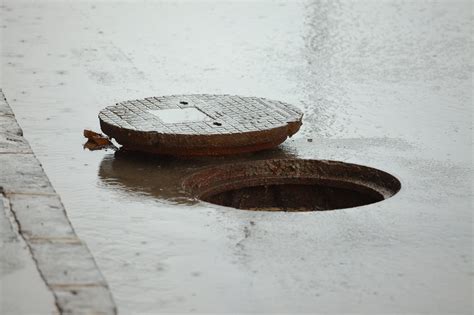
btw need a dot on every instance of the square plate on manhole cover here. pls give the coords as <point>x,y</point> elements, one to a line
<point>179,115</point>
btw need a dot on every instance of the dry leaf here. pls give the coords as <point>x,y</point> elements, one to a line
<point>97,141</point>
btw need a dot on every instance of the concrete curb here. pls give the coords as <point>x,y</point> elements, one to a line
<point>63,260</point>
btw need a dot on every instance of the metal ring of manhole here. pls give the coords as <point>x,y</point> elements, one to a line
<point>291,185</point>
<point>193,125</point>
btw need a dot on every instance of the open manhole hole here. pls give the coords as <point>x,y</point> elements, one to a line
<point>291,185</point>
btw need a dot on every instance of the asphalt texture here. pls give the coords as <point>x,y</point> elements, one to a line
<point>384,84</point>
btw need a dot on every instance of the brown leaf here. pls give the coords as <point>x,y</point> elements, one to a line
<point>97,141</point>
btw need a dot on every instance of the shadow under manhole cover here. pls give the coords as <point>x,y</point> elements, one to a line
<point>291,185</point>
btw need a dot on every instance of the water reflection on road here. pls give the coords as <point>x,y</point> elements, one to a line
<point>161,177</point>
<point>375,74</point>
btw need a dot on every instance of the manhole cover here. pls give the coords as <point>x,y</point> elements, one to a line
<point>200,124</point>
<point>291,185</point>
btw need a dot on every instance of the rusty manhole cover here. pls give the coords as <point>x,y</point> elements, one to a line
<point>192,125</point>
<point>291,185</point>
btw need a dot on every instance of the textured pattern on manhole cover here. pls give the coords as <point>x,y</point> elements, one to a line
<point>200,124</point>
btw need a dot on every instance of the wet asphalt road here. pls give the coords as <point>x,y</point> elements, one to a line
<point>385,84</point>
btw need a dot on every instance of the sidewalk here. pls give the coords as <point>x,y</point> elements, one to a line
<point>36,235</point>
<point>22,290</point>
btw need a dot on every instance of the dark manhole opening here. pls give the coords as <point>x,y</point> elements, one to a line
<point>291,185</point>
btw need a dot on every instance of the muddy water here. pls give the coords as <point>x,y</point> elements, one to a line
<point>388,82</point>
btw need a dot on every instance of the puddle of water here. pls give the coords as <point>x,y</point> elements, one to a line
<point>161,178</point>
<point>354,69</point>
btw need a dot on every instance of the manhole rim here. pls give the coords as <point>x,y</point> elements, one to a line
<point>198,193</point>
